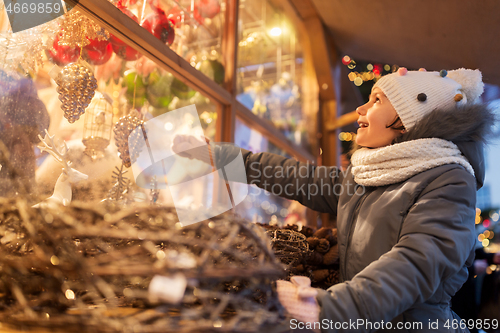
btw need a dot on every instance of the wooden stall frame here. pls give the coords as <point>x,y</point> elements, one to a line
<point>131,33</point>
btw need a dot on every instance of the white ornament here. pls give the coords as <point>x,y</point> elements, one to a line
<point>168,289</point>
<point>62,190</point>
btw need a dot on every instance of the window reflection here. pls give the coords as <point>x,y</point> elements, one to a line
<point>262,206</point>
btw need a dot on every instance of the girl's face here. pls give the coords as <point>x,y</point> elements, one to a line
<point>374,117</point>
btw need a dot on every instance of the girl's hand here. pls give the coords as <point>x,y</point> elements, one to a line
<point>191,147</point>
<point>299,299</point>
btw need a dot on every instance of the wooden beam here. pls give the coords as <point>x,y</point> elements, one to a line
<point>230,41</point>
<point>329,138</point>
<point>323,51</point>
<point>342,121</point>
<point>322,58</point>
<point>304,8</point>
<point>230,45</point>
<point>325,62</point>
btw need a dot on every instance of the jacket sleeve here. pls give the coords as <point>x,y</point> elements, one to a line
<point>436,240</point>
<point>313,186</point>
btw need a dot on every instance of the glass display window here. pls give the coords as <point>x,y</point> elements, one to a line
<point>88,88</point>
<point>67,80</point>
<point>259,205</point>
<point>270,69</point>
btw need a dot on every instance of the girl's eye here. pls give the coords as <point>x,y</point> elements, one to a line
<point>377,100</point>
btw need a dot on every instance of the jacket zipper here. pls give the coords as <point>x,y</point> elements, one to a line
<point>351,228</point>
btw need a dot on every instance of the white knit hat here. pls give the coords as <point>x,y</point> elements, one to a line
<point>414,94</point>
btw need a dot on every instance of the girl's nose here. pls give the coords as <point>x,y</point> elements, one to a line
<point>361,110</point>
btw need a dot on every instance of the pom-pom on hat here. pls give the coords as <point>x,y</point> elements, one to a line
<point>414,94</point>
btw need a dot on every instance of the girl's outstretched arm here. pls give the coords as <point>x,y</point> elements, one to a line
<point>316,187</point>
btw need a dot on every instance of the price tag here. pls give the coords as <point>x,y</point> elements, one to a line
<point>26,14</point>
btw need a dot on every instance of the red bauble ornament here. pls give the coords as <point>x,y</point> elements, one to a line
<point>176,15</point>
<point>208,8</point>
<point>63,55</point>
<point>160,26</point>
<point>98,52</point>
<point>126,52</point>
<point>196,14</point>
<point>121,49</point>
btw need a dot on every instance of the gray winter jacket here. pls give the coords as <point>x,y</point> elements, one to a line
<point>404,248</point>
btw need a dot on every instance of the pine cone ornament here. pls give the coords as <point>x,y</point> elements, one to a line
<point>332,256</point>
<point>313,242</point>
<point>307,231</point>
<point>332,240</point>
<point>323,246</point>
<point>76,87</point>
<point>323,232</point>
<point>333,278</point>
<point>320,275</point>
<point>314,259</point>
<point>124,129</point>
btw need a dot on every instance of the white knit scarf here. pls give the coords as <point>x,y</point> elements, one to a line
<point>398,162</point>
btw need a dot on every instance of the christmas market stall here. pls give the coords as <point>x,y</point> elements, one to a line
<point>89,244</point>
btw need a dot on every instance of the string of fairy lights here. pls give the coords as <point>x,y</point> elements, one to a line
<point>366,72</point>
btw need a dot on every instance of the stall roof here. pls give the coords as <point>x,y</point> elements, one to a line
<point>443,34</point>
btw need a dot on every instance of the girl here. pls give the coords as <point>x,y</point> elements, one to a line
<point>405,207</point>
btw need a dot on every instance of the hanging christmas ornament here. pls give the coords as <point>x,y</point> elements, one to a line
<point>77,30</point>
<point>97,127</point>
<point>181,90</point>
<point>62,55</point>
<point>76,87</point>
<point>160,26</point>
<point>213,69</point>
<point>23,52</point>
<point>97,52</point>
<point>158,90</point>
<point>119,193</point>
<point>119,47</point>
<point>176,15</point>
<point>196,15</point>
<point>208,8</point>
<point>126,52</point>
<point>136,89</point>
<point>128,138</point>
<point>154,191</point>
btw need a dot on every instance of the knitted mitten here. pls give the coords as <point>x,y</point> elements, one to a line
<point>299,299</point>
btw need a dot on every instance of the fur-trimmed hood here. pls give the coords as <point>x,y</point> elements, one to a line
<point>467,126</point>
